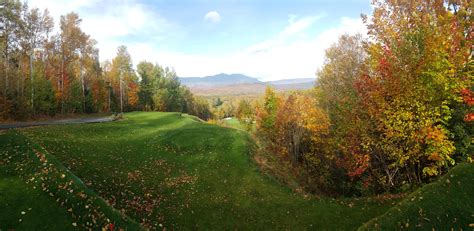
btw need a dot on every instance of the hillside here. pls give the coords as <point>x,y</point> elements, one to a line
<point>173,171</point>
<point>38,193</point>
<point>446,204</point>
<point>167,170</point>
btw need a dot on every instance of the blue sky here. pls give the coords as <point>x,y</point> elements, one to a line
<point>265,39</point>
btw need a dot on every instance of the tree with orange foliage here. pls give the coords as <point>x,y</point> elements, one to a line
<point>300,125</point>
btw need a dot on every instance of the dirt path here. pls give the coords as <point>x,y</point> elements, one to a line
<point>55,122</point>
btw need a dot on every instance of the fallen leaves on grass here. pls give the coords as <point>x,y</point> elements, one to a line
<point>32,165</point>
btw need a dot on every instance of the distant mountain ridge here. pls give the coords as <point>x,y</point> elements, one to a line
<point>218,80</point>
<point>238,79</point>
<point>238,84</point>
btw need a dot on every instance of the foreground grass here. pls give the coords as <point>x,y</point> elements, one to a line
<point>26,208</point>
<point>46,195</point>
<point>446,204</point>
<point>167,170</point>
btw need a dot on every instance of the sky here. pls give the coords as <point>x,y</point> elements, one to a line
<point>266,39</point>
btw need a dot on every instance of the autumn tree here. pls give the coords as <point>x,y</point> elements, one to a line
<point>47,73</point>
<point>418,53</point>
<point>11,29</point>
<point>195,105</point>
<point>300,126</point>
<point>123,80</point>
<point>245,113</point>
<point>299,131</point>
<point>37,28</point>
<point>266,114</point>
<point>344,62</point>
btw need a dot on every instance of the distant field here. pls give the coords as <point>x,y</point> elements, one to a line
<point>245,89</point>
<point>162,170</point>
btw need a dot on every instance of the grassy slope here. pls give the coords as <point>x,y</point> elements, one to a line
<point>41,212</point>
<point>16,197</point>
<point>446,204</point>
<point>37,189</point>
<point>166,170</point>
<point>233,123</point>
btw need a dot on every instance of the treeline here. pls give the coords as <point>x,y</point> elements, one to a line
<point>47,73</point>
<point>390,111</point>
<point>161,90</point>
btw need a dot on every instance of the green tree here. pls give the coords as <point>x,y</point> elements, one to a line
<point>266,115</point>
<point>37,28</point>
<point>150,76</point>
<point>245,113</point>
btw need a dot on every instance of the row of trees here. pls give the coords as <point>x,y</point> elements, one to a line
<point>161,90</point>
<point>46,73</point>
<point>390,111</point>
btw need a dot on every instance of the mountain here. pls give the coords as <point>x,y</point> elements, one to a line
<point>218,80</point>
<point>238,84</point>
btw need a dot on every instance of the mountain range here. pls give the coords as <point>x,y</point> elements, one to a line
<point>232,79</point>
<point>239,84</point>
<point>218,80</point>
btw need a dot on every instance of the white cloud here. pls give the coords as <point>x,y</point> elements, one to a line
<point>122,21</point>
<point>291,53</point>
<point>287,55</point>
<point>212,16</point>
<point>110,25</point>
<point>60,7</point>
<point>296,26</point>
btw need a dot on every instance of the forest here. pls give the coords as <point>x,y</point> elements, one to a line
<point>45,72</point>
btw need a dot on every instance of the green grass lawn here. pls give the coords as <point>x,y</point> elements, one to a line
<point>26,208</point>
<point>173,171</point>
<point>38,192</point>
<point>233,123</point>
<point>446,204</point>
<point>162,169</point>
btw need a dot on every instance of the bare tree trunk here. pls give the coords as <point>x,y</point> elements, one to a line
<point>5,55</point>
<point>6,75</point>
<point>18,79</point>
<point>121,93</point>
<point>21,78</point>
<point>32,83</point>
<point>45,66</point>
<point>59,80</point>
<point>109,91</point>
<point>62,82</point>
<point>83,89</point>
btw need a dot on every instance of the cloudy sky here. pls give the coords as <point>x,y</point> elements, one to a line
<point>267,39</point>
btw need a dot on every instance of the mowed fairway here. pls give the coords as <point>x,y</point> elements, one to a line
<point>171,170</point>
